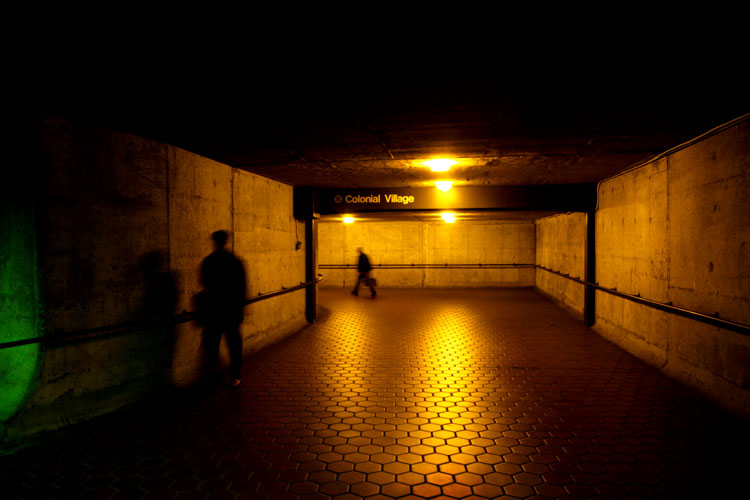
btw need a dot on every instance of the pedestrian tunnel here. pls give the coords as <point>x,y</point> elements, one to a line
<point>652,258</point>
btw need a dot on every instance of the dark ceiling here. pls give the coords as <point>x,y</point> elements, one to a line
<point>375,133</point>
<point>360,121</point>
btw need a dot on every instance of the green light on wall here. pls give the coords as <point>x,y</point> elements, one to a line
<point>19,306</point>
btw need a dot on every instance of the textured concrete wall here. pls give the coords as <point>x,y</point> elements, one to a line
<point>266,236</point>
<point>206,196</point>
<point>561,246</point>
<point>676,231</point>
<point>123,217</point>
<point>103,208</point>
<point>413,242</point>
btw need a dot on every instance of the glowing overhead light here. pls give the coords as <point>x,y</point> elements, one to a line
<point>348,220</point>
<point>444,185</point>
<point>448,217</point>
<point>440,164</point>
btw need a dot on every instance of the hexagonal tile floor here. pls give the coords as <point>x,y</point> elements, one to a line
<point>463,394</point>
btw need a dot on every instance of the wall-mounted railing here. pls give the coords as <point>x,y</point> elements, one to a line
<point>666,307</point>
<point>133,326</point>
<point>714,320</point>
<point>430,266</point>
<point>186,316</point>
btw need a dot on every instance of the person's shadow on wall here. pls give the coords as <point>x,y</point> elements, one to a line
<point>159,304</point>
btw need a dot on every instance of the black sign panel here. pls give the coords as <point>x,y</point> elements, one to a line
<point>560,197</point>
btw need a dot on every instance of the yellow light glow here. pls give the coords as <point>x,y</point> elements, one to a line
<point>348,220</point>
<point>440,164</point>
<point>448,217</point>
<point>444,185</point>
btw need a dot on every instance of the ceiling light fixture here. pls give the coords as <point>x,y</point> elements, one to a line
<point>448,217</point>
<point>440,164</point>
<point>348,220</point>
<point>444,185</point>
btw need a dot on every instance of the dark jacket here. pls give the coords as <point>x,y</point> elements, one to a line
<point>223,278</point>
<point>363,266</point>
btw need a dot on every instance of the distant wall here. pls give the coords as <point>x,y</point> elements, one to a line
<point>120,218</point>
<point>561,247</point>
<point>415,242</point>
<point>676,231</point>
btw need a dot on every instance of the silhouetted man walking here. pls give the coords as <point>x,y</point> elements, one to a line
<point>223,278</point>
<point>363,268</point>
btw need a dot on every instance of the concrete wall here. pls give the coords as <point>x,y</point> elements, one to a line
<point>561,246</point>
<point>676,231</point>
<point>123,221</point>
<point>416,242</point>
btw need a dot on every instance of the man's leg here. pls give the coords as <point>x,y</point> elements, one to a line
<point>356,285</point>
<point>211,342</point>
<point>234,342</point>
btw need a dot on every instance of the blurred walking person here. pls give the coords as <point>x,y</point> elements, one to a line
<point>364,268</point>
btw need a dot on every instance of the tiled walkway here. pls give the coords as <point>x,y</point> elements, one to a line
<point>416,394</point>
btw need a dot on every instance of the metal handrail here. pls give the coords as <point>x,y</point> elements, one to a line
<point>670,308</point>
<point>666,307</point>
<point>429,266</point>
<point>186,316</point>
<point>109,330</point>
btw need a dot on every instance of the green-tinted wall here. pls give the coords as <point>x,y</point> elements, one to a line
<point>19,298</point>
